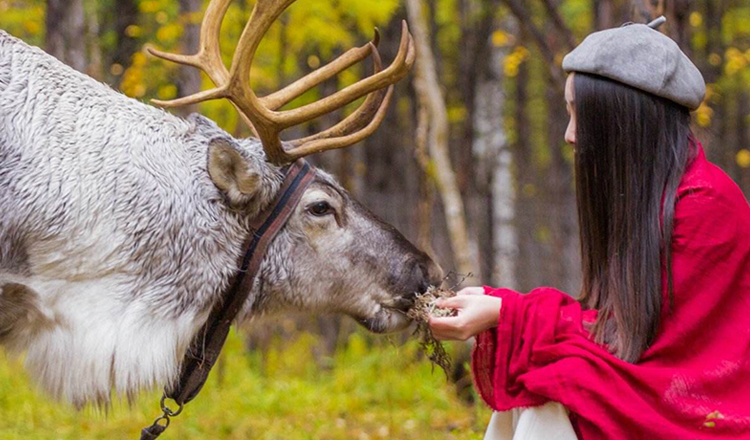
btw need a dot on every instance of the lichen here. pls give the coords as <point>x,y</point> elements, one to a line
<point>425,306</point>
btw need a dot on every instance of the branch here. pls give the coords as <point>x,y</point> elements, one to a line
<point>556,73</point>
<point>570,41</point>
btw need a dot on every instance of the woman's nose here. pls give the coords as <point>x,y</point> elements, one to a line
<point>570,134</point>
<point>570,138</point>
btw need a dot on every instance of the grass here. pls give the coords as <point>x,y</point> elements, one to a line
<point>371,391</point>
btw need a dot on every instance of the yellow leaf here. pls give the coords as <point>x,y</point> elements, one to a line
<point>168,91</point>
<point>139,90</point>
<point>149,6</point>
<point>133,31</point>
<point>32,27</point>
<point>510,70</point>
<point>703,119</point>
<point>696,19</point>
<point>743,160</point>
<point>456,114</point>
<point>500,39</point>
<point>313,62</point>
<point>169,32</point>
<point>139,59</point>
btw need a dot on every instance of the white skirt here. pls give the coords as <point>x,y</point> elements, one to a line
<point>546,422</point>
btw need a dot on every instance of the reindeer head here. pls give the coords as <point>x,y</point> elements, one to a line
<point>333,255</point>
<point>343,258</point>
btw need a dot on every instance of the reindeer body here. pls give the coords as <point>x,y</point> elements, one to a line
<point>121,225</point>
<point>111,223</point>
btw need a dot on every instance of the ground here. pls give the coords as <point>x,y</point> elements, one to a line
<point>372,391</point>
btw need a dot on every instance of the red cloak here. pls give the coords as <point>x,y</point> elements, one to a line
<point>692,383</point>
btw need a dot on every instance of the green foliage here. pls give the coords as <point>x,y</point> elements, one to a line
<point>24,19</point>
<point>370,392</point>
<point>578,16</point>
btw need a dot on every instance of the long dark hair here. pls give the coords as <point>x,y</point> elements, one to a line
<point>631,152</point>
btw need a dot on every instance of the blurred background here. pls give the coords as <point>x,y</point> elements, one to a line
<point>470,163</point>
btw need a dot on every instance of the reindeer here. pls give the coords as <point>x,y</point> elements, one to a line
<point>121,224</point>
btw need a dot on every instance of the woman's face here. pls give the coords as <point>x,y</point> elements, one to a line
<point>570,132</point>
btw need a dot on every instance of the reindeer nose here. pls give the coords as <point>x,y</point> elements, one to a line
<point>420,275</point>
<point>430,274</point>
<point>435,274</point>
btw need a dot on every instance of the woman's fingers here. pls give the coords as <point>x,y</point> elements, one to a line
<point>460,300</point>
<point>454,302</point>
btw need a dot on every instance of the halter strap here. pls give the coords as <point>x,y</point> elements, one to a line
<point>206,346</point>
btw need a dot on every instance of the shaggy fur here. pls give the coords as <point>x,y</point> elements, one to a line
<point>115,242</point>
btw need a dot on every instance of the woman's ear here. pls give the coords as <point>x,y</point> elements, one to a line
<point>232,173</point>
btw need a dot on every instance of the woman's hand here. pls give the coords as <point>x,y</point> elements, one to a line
<point>476,313</point>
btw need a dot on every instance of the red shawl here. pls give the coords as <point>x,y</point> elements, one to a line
<point>692,383</point>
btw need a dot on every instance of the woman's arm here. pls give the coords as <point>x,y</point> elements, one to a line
<point>522,342</point>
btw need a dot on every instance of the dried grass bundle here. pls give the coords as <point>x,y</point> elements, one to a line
<point>424,307</point>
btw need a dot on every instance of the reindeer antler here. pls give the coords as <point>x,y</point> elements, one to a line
<point>260,113</point>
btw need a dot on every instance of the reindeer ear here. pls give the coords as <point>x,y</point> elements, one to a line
<point>230,172</point>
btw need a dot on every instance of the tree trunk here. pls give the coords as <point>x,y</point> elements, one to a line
<point>189,81</point>
<point>66,32</point>
<point>524,218</point>
<point>474,172</point>
<point>472,59</point>
<point>95,68</point>
<point>677,13</point>
<point>430,96</point>
<point>603,14</point>
<point>643,11</point>
<point>426,187</point>
<point>493,203</point>
<point>126,15</point>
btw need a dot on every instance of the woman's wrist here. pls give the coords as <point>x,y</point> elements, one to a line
<point>492,312</point>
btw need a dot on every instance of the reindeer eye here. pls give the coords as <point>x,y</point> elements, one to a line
<point>320,209</point>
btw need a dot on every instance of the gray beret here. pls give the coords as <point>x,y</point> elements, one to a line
<point>641,57</point>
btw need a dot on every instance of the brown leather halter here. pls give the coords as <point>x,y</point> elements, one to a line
<point>207,344</point>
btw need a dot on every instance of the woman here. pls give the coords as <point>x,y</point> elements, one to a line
<point>658,343</point>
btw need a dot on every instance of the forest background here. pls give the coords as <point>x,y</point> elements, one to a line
<point>470,163</point>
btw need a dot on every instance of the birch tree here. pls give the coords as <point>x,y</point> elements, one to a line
<point>430,97</point>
